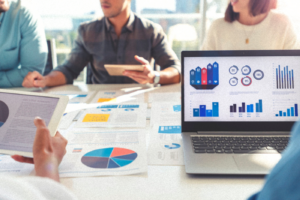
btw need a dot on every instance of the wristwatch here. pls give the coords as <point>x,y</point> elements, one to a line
<point>156,77</point>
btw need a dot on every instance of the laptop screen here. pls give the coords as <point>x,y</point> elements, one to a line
<point>229,87</point>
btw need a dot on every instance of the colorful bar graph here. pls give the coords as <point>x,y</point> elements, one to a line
<point>290,112</point>
<point>203,112</point>
<point>250,108</point>
<point>284,78</point>
<point>205,78</point>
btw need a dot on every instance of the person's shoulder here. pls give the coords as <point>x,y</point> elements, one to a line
<point>220,23</point>
<point>23,10</point>
<point>146,23</point>
<point>20,6</point>
<point>92,25</point>
<point>279,18</point>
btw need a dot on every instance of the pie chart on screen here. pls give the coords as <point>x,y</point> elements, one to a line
<point>4,113</point>
<point>109,158</point>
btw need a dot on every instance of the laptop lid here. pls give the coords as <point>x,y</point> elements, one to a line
<point>240,90</point>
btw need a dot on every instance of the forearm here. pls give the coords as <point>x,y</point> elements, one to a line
<point>55,78</point>
<point>47,169</point>
<point>169,76</point>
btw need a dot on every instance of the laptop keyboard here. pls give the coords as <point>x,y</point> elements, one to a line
<point>208,144</point>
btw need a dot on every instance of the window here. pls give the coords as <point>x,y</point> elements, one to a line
<point>182,20</point>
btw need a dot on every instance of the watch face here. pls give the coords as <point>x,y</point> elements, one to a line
<point>156,78</point>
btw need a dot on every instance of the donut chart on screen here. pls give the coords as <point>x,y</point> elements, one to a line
<point>4,113</point>
<point>109,158</point>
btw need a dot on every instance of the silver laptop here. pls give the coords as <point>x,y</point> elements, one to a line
<point>238,108</point>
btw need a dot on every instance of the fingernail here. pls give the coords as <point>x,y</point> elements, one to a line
<point>38,118</point>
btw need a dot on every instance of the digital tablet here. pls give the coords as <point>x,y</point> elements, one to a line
<point>18,110</point>
<point>117,70</point>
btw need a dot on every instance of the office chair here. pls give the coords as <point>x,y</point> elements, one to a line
<point>52,59</point>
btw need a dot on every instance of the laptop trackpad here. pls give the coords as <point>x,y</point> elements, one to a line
<point>256,162</point>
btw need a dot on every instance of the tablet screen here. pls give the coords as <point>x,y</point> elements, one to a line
<point>17,112</point>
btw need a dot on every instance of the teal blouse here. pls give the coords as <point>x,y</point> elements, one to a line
<point>23,46</point>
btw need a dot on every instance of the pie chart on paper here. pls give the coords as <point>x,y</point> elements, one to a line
<point>109,158</point>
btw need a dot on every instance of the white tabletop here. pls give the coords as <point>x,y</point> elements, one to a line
<point>160,182</point>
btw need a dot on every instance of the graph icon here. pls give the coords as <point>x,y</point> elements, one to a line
<point>177,108</point>
<point>246,81</point>
<point>258,74</point>
<point>109,158</point>
<point>203,112</point>
<point>250,108</point>
<point>4,113</point>
<point>173,146</point>
<point>246,70</point>
<point>290,112</point>
<point>233,81</point>
<point>285,107</point>
<point>169,129</point>
<point>205,78</point>
<point>284,78</point>
<point>233,70</point>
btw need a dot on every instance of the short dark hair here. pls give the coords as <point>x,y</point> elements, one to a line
<point>257,7</point>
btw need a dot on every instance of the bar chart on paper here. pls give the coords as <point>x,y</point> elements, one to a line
<point>247,108</point>
<point>284,77</point>
<point>204,111</point>
<point>285,108</point>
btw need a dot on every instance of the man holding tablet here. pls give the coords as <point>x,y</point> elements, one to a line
<point>23,46</point>
<point>117,38</point>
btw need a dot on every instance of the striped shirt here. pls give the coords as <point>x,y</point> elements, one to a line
<point>97,44</point>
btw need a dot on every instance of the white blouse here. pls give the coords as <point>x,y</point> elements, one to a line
<point>275,32</point>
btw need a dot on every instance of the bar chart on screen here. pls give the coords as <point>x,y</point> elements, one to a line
<point>245,108</point>
<point>206,77</point>
<point>285,108</point>
<point>284,77</point>
<point>203,110</point>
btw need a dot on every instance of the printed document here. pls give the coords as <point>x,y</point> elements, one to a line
<point>167,112</point>
<point>166,96</point>
<point>105,152</point>
<point>76,97</point>
<point>114,115</point>
<point>9,166</point>
<point>68,119</point>
<point>113,96</point>
<point>165,146</point>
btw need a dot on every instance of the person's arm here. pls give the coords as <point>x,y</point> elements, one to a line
<point>164,56</point>
<point>35,79</point>
<point>283,180</point>
<point>48,152</point>
<point>167,76</point>
<point>32,51</point>
<point>65,74</point>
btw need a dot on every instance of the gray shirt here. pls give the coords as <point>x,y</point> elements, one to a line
<point>97,44</point>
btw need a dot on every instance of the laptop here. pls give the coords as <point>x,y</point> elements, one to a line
<point>238,108</point>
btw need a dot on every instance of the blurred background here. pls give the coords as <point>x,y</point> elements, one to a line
<point>184,21</point>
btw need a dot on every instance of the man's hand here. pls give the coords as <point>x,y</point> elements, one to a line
<point>144,77</point>
<point>34,79</point>
<point>48,151</point>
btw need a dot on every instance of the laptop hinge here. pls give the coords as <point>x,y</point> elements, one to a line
<point>241,133</point>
